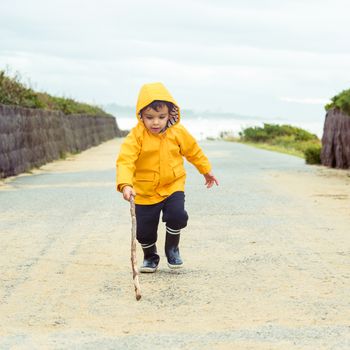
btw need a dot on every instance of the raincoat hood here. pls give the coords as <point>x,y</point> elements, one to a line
<point>157,91</point>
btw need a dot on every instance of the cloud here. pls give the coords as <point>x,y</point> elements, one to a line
<point>229,55</point>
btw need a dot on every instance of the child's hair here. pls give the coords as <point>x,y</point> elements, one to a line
<point>156,104</point>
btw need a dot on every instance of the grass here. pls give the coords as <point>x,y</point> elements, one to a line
<point>276,148</point>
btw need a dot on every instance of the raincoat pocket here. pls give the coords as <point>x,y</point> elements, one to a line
<point>179,171</point>
<point>144,184</point>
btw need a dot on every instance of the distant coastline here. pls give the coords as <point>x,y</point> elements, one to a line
<point>209,124</point>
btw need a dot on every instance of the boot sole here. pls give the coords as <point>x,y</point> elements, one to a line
<point>174,267</point>
<point>148,269</point>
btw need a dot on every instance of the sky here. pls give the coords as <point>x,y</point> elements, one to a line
<point>272,58</point>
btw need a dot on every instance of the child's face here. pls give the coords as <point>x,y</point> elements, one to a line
<point>155,121</point>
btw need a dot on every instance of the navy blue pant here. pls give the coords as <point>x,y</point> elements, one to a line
<point>147,217</point>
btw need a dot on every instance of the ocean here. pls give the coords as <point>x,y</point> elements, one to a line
<point>203,127</point>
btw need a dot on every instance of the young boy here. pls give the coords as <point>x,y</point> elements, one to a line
<point>150,167</point>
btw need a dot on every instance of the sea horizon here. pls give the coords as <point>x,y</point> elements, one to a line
<point>203,127</point>
<point>209,124</point>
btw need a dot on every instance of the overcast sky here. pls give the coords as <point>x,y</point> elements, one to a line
<point>253,57</point>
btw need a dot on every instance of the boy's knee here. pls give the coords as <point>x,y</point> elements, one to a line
<point>183,218</point>
<point>176,219</point>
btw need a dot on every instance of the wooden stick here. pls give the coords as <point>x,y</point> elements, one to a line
<point>135,272</point>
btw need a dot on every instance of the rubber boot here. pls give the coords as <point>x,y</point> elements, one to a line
<point>150,260</point>
<point>172,251</point>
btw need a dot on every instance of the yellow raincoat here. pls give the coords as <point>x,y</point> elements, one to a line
<point>153,163</point>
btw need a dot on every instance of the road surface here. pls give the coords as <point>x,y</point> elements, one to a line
<point>267,258</point>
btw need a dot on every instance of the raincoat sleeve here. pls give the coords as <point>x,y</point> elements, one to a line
<point>129,153</point>
<point>192,152</point>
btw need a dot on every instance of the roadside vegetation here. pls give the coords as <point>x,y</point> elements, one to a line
<point>281,138</point>
<point>13,91</point>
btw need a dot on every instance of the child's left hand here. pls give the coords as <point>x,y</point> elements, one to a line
<point>210,179</point>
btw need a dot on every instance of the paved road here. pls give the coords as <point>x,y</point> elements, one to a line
<point>266,268</point>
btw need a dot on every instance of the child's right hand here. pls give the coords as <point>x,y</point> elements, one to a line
<point>127,192</point>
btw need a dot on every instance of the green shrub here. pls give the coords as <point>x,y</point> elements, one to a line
<point>284,138</point>
<point>340,101</point>
<point>272,132</point>
<point>313,154</point>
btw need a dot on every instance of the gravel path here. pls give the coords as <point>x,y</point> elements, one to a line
<point>267,257</point>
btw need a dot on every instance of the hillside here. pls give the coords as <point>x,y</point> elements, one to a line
<point>13,91</point>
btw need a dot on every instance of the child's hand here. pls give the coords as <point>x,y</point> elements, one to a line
<point>210,179</point>
<point>127,192</point>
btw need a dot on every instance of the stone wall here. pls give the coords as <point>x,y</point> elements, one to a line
<point>336,140</point>
<point>32,137</point>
